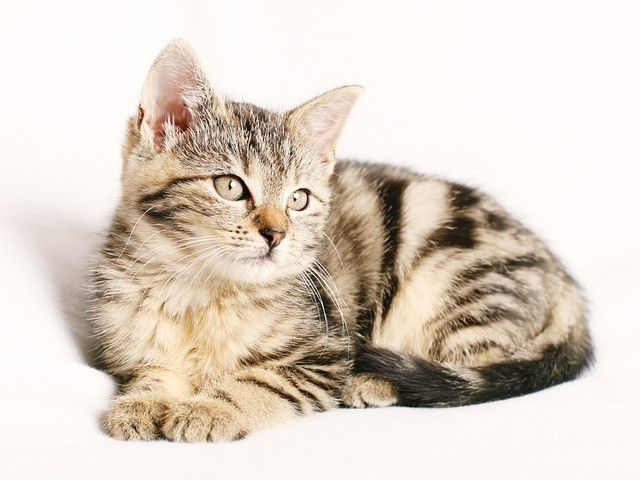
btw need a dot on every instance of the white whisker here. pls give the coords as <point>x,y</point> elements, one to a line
<point>133,230</point>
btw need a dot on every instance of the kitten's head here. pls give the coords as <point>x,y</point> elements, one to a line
<point>227,189</point>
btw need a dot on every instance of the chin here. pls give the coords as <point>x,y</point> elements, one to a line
<point>254,270</point>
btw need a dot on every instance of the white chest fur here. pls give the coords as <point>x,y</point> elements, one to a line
<point>202,332</point>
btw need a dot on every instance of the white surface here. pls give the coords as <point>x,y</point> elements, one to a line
<point>537,102</point>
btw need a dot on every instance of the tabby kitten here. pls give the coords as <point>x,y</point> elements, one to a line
<point>248,278</point>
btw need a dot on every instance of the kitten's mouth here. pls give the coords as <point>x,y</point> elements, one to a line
<point>266,258</point>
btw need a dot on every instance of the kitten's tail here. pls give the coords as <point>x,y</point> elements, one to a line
<point>422,383</point>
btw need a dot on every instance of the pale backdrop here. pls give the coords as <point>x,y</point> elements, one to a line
<point>536,102</point>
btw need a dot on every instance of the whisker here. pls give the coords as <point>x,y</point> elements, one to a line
<point>334,247</point>
<point>200,255</point>
<point>189,243</point>
<point>328,284</point>
<point>133,230</point>
<point>315,297</point>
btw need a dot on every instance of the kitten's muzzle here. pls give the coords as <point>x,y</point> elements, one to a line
<point>273,236</point>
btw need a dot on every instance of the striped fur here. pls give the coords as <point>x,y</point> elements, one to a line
<point>389,288</point>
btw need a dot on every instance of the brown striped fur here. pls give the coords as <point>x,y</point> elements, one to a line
<point>390,287</point>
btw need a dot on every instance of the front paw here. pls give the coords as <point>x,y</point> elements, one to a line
<point>135,417</point>
<point>203,420</point>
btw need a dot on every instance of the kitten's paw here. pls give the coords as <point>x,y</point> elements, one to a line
<point>135,417</point>
<point>203,420</point>
<point>366,390</point>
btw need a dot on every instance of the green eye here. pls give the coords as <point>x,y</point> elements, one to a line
<point>230,187</point>
<point>298,200</point>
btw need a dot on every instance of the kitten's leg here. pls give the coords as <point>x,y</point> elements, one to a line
<point>367,390</point>
<point>250,400</point>
<point>137,413</point>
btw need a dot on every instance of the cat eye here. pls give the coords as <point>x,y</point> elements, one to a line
<point>298,200</point>
<point>230,187</point>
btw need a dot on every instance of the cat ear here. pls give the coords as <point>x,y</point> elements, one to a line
<point>318,123</point>
<point>175,88</point>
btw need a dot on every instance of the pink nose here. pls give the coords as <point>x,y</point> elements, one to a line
<point>273,236</point>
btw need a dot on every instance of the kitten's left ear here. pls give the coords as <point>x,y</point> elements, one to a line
<point>175,89</point>
<point>318,123</point>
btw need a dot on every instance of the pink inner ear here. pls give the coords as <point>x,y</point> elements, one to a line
<point>174,87</point>
<point>169,107</point>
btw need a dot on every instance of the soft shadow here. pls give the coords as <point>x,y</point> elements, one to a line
<point>66,248</point>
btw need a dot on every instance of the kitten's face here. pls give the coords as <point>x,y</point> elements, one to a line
<point>223,189</point>
<point>242,202</point>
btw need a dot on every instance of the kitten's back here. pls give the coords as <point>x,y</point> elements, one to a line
<point>451,290</point>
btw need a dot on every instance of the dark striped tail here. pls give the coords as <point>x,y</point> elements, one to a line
<point>421,383</point>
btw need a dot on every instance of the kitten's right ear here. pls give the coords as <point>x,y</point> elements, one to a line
<point>175,90</point>
<point>318,123</point>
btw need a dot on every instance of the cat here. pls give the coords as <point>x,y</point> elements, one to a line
<point>249,278</point>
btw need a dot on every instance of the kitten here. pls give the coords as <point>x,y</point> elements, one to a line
<point>248,278</point>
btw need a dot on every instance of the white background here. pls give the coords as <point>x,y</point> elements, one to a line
<point>536,102</point>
